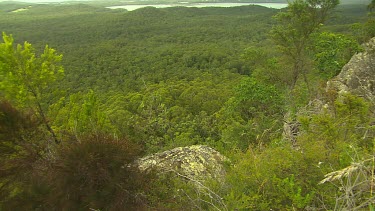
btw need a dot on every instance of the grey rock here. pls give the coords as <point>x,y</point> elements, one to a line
<point>196,162</point>
<point>358,75</point>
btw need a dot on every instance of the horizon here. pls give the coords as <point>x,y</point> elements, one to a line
<point>53,1</point>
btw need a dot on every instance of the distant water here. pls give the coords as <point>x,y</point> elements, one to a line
<point>199,5</point>
<point>132,7</point>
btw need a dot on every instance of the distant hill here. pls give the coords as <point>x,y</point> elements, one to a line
<point>355,1</point>
<point>9,6</point>
<point>118,2</point>
<point>139,1</point>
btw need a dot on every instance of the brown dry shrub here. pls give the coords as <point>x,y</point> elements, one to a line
<point>22,144</point>
<point>91,173</point>
<point>95,173</point>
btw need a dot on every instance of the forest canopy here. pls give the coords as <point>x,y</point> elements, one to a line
<point>85,91</point>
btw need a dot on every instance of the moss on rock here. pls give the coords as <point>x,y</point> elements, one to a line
<point>197,162</point>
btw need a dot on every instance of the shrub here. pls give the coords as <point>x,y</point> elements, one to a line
<point>95,173</point>
<point>20,148</point>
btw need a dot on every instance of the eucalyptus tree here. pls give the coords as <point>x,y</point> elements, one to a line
<point>293,33</point>
<point>371,6</point>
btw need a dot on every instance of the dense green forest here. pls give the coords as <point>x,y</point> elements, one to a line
<point>112,86</point>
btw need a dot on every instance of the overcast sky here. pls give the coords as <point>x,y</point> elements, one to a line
<point>36,1</point>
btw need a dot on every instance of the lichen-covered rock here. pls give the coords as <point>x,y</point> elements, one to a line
<point>196,162</point>
<point>358,75</point>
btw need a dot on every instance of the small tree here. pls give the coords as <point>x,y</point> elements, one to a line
<point>25,78</point>
<point>371,6</point>
<point>293,33</point>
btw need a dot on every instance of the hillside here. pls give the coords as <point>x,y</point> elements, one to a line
<point>186,108</point>
<point>196,40</point>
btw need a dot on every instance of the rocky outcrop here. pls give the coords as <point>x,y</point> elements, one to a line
<point>358,75</point>
<point>196,162</point>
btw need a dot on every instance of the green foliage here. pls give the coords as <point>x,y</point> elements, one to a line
<point>342,134</point>
<point>365,30</point>
<point>92,172</point>
<point>371,6</point>
<point>251,115</point>
<point>173,77</point>
<point>81,115</point>
<point>272,72</point>
<point>22,145</point>
<point>26,77</point>
<point>281,177</point>
<point>185,193</point>
<point>107,51</point>
<point>349,123</point>
<point>293,192</point>
<point>332,52</point>
<point>294,31</point>
<point>253,99</point>
<point>254,58</point>
<point>263,180</point>
<point>172,113</point>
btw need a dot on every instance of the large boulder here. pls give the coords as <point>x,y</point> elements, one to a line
<point>358,75</point>
<point>197,162</point>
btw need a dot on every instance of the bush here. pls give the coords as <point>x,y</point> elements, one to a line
<point>95,173</point>
<point>21,148</point>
